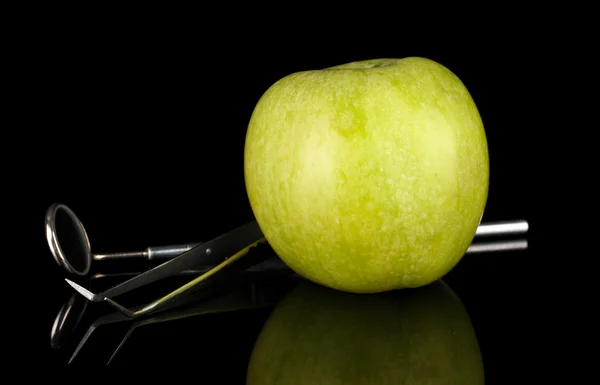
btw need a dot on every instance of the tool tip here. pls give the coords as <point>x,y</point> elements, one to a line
<point>81,290</point>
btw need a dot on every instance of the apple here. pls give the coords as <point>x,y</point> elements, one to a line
<point>368,176</point>
<point>317,335</point>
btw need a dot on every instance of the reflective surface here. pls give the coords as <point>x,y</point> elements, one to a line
<point>276,328</point>
<point>139,126</point>
<point>318,335</point>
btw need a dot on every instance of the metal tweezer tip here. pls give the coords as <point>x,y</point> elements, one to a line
<point>85,292</point>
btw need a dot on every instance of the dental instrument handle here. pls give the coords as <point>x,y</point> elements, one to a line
<point>151,253</point>
<point>166,252</point>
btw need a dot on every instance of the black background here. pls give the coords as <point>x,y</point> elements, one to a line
<point>137,122</point>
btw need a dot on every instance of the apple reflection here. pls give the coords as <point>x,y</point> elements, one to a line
<point>317,335</point>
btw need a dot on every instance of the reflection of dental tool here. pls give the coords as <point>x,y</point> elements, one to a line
<point>486,247</point>
<point>67,319</point>
<point>248,296</point>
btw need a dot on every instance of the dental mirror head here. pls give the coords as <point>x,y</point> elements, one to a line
<point>74,252</point>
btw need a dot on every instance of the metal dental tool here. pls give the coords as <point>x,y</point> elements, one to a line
<point>76,256</point>
<point>234,265</point>
<point>71,313</point>
<point>232,253</point>
<point>231,266</point>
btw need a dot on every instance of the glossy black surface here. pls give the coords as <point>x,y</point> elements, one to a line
<point>140,130</point>
<point>216,331</point>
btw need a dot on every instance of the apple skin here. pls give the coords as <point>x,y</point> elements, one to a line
<point>368,176</point>
<point>317,335</point>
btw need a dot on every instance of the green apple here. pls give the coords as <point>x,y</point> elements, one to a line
<point>317,335</point>
<point>368,176</point>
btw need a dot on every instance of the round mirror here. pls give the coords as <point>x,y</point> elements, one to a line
<point>73,252</point>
